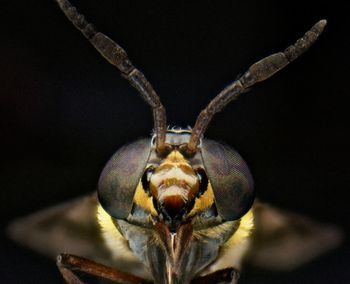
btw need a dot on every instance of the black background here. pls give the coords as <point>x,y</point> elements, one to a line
<point>64,110</point>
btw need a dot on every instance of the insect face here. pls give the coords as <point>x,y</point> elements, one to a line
<point>174,185</point>
<point>215,178</point>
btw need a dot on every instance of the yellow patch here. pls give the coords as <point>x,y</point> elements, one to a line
<point>115,241</point>
<point>175,157</point>
<point>204,201</point>
<point>142,199</point>
<point>119,248</point>
<point>244,230</point>
<point>232,252</point>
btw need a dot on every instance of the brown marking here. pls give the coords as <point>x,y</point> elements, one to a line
<point>176,251</point>
<point>173,204</point>
<point>176,201</point>
<point>182,239</point>
<point>174,181</point>
<point>164,235</point>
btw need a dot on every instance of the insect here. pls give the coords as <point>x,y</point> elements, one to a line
<point>174,208</point>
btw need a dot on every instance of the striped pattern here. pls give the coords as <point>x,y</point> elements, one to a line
<point>174,183</point>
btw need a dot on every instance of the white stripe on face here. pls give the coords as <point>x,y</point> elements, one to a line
<point>158,178</point>
<point>172,190</point>
<point>174,182</point>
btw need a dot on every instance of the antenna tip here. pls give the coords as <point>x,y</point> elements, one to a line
<point>319,26</point>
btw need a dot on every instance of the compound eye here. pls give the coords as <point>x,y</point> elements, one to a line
<point>120,177</point>
<point>230,179</point>
<point>146,178</point>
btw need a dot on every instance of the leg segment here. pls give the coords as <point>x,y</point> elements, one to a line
<point>228,275</point>
<point>258,72</point>
<point>67,264</point>
<point>117,56</point>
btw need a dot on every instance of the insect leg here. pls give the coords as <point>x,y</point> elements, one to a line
<point>67,264</point>
<point>257,72</point>
<point>227,275</point>
<point>117,56</point>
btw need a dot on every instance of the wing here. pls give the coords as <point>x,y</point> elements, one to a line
<point>283,241</point>
<point>69,227</point>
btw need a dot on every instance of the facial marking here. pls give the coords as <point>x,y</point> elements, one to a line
<point>174,183</point>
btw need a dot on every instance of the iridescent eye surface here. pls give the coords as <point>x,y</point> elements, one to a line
<point>230,178</point>
<point>120,177</point>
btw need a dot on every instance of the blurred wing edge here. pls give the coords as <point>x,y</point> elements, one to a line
<point>284,241</point>
<point>281,241</point>
<point>67,227</point>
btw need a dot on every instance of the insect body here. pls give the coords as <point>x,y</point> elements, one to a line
<point>175,208</point>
